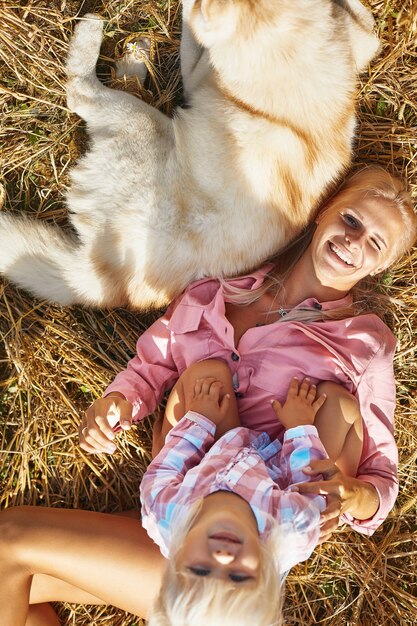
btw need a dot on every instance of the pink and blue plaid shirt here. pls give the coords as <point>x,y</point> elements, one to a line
<point>192,465</point>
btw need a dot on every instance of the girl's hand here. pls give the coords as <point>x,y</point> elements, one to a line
<point>205,399</point>
<point>301,405</point>
<point>96,431</point>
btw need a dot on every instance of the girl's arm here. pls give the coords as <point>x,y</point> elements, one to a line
<point>298,515</point>
<point>185,446</point>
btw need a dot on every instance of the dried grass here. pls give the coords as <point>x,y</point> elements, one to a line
<point>55,361</point>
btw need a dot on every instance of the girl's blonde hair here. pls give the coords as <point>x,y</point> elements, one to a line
<point>186,600</point>
<point>367,296</point>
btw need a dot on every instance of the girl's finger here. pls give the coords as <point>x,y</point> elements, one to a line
<point>293,388</point>
<point>277,406</point>
<point>206,384</point>
<point>224,405</point>
<point>317,404</point>
<point>214,390</point>
<point>304,387</point>
<point>311,394</point>
<point>197,387</point>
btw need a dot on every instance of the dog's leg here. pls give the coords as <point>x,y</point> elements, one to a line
<point>133,62</point>
<point>86,95</point>
<point>47,262</point>
<point>194,61</point>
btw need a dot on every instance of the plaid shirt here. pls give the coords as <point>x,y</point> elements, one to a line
<point>192,465</point>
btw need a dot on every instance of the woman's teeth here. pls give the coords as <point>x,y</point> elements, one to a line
<point>341,254</point>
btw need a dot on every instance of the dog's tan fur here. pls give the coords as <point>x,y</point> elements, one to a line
<point>158,202</point>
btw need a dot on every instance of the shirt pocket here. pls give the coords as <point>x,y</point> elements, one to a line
<point>190,335</point>
<point>185,319</point>
<point>279,366</point>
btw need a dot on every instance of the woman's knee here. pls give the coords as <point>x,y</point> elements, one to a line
<point>214,368</point>
<point>342,403</point>
<point>12,530</point>
<point>331,388</point>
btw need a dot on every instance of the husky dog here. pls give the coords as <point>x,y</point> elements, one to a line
<point>159,202</point>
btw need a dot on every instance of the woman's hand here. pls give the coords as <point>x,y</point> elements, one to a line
<point>96,431</point>
<point>330,518</point>
<point>357,497</point>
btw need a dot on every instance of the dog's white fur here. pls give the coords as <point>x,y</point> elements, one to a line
<point>159,202</point>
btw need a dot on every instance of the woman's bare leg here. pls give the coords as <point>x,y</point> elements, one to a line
<point>74,556</point>
<point>177,403</point>
<point>42,615</point>
<point>340,428</point>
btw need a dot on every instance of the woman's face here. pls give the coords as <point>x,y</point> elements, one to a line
<point>354,238</point>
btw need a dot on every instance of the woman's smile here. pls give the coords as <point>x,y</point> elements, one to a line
<point>341,254</point>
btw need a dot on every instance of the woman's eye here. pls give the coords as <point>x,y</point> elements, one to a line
<point>351,221</point>
<point>199,571</point>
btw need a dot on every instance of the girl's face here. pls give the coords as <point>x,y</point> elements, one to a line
<point>354,238</point>
<point>223,543</point>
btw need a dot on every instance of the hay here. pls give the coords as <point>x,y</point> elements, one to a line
<point>56,361</point>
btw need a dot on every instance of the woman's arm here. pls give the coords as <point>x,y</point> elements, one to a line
<point>357,497</point>
<point>379,461</point>
<point>150,372</point>
<point>134,393</point>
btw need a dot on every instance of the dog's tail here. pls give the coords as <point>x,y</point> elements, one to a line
<point>47,262</point>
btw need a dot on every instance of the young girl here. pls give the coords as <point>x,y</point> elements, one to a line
<point>222,511</point>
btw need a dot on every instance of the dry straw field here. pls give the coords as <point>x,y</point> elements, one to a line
<point>55,361</point>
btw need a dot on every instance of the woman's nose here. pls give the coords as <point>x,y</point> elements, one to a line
<point>353,239</point>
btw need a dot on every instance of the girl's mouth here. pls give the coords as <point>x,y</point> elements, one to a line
<point>226,536</point>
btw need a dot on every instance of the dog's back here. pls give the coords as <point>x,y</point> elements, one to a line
<point>223,185</point>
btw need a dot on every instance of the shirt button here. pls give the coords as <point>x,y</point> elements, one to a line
<point>238,394</point>
<point>318,306</point>
<point>235,357</point>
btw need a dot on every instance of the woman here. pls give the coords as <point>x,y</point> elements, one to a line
<point>268,327</point>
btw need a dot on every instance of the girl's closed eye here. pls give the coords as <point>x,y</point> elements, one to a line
<point>240,578</point>
<point>199,571</point>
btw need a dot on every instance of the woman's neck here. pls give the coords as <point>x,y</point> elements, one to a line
<point>302,283</point>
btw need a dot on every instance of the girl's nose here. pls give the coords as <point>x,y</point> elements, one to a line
<point>223,557</point>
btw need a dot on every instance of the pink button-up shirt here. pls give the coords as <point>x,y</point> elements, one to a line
<point>356,352</point>
<point>192,466</point>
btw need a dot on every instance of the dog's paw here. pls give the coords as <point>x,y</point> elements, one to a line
<point>90,27</point>
<point>134,60</point>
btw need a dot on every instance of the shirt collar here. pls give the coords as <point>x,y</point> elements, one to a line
<point>253,280</point>
<point>313,303</point>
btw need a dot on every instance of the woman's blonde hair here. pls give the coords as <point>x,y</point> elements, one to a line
<point>367,296</point>
<point>186,600</point>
